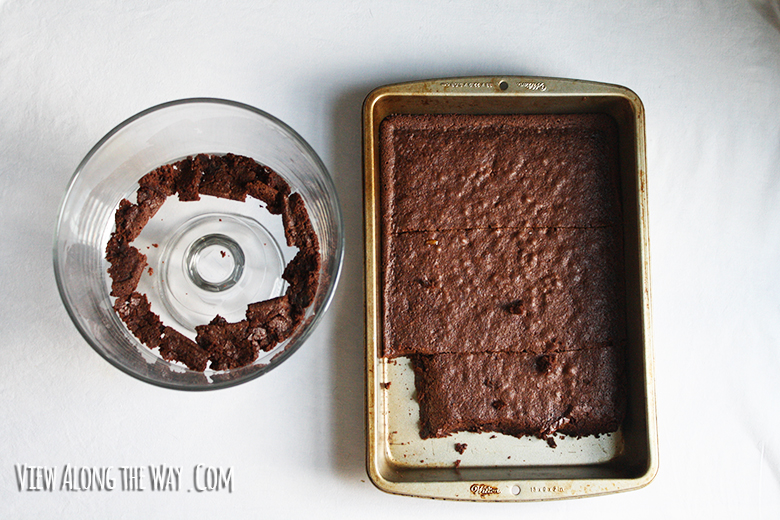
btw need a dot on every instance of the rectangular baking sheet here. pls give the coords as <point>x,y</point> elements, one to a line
<point>497,467</point>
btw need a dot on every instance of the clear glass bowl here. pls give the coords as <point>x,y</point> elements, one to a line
<point>181,240</point>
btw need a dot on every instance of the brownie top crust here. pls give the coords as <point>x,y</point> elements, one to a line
<point>577,393</point>
<point>487,171</point>
<point>524,290</point>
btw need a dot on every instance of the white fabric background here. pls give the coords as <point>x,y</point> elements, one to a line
<point>709,76</point>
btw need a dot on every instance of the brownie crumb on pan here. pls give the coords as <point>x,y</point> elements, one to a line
<point>219,345</point>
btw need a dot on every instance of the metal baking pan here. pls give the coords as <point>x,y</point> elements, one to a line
<point>498,467</point>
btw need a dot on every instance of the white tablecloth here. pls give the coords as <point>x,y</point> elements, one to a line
<point>709,76</point>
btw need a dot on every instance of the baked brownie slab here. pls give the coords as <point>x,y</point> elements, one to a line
<point>532,290</point>
<point>478,171</point>
<point>576,393</point>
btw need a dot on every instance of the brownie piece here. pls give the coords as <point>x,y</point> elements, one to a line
<point>149,201</point>
<point>298,230</point>
<point>130,218</point>
<point>127,266</point>
<point>576,393</point>
<point>265,193</point>
<point>302,273</point>
<point>243,170</point>
<point>523,290</point>
<point>228,177</point>
<point>477,171</point>
<point>275,319</point>
<point>162,179</point>
<point>136,312</point>
<point>233,345</point>
<point>217,180</point>
<point>188,180</point>
<point>230,345</point>
<point>175,346</point>
<point>274,180</point>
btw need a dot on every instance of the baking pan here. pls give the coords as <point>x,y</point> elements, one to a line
<point>497,467</point>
